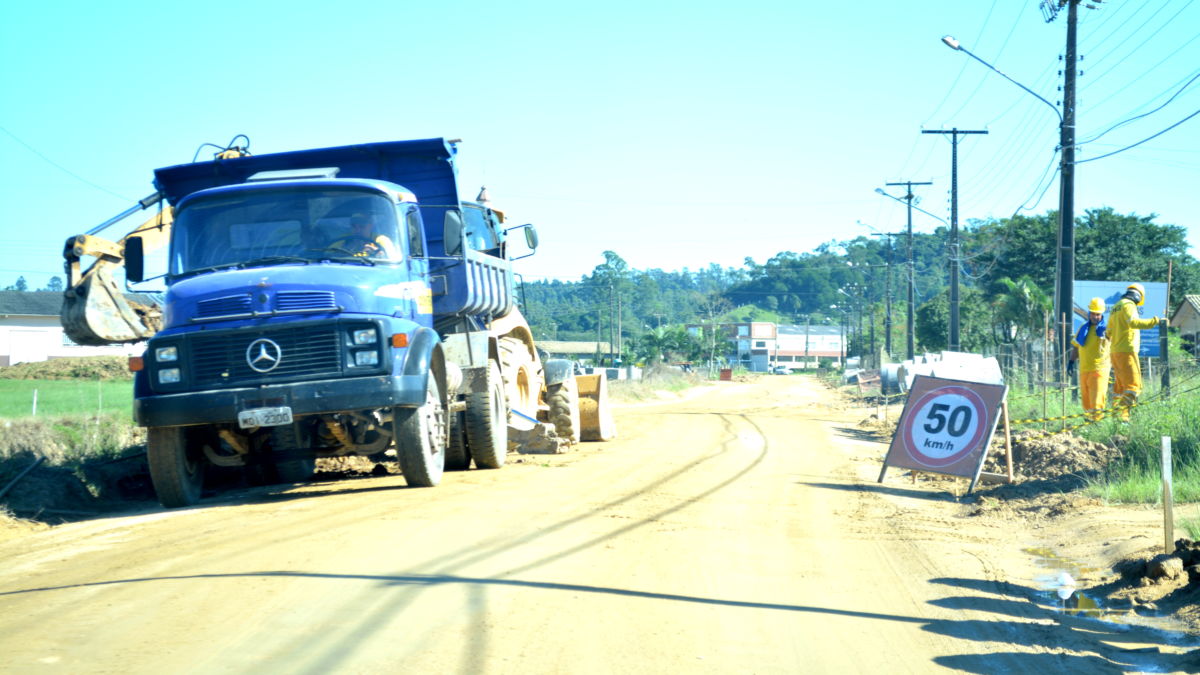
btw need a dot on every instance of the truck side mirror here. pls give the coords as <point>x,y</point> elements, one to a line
<point>531,238</point>
<point>452,233</point>
<point>135,260</point>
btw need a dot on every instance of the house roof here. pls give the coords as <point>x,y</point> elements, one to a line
<point>1192,301</point>
<point>49,303</point>
<point>31,303</point>
<point>568,347</point>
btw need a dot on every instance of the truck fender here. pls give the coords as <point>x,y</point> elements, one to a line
<point>425,357</point>
<point>558,370</point>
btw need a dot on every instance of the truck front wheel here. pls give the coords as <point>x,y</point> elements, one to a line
<point>420,435</point>
<point>176,466</point>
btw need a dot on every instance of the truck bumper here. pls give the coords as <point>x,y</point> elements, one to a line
<point>304,398</point>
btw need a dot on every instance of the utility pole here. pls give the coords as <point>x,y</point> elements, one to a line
<point>1064,300</point>
<point>954,253</point>
<point>911,274</point>
<point>887,283</point>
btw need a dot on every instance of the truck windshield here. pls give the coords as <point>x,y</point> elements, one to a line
<point>274,226</point>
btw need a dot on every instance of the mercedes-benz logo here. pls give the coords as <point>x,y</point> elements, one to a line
<point>263,355</point>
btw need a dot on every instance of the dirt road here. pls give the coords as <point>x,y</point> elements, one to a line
<point>738,530</point>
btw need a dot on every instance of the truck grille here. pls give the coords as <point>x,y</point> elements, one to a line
<point>304,300</point>
<point>304,351</point>
<point>226,306</point>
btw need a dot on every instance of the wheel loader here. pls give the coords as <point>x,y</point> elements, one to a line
<point>325,303</point>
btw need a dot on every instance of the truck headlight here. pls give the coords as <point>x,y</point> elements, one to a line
<point>166,354</point>
<point>366,358</point>
<point>365,336</point>
<point>168,376</point>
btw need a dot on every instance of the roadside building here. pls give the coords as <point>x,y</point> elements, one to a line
<point>1186,319</point>
<point>760,347</point>
<point>30,330</point>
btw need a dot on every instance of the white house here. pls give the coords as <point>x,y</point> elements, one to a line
<point>30,330</point>
<point>1187,320</point>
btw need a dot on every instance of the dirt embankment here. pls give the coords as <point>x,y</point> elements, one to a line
<point>1120,548</point>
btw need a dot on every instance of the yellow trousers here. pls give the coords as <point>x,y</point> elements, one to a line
<point>1092,386</point>
<point>1127,381</point>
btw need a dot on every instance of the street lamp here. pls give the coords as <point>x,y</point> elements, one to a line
<point>1065,287</point>
<point>911,326</point>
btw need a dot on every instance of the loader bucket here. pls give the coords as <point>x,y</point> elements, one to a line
<point>595,416</point>
<point>95,312</point>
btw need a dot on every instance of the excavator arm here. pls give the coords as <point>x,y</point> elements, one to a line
<point>95,311</point>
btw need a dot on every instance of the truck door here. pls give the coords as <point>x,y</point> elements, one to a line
<point>416,260</point>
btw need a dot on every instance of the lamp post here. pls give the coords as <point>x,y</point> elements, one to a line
<point>908,199</point>
<point>1065,286</point>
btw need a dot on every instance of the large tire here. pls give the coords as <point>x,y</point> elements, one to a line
<point>457,456</point>
<point>420,435</point>
<point>176,466</point>
<point>563,399</point>
<point>521,384</point>
<point>286,438</point>
<point>486,420</point>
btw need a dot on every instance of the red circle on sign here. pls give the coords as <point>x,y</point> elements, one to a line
<point>980,414</point>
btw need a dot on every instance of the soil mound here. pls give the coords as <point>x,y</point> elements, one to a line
<point>1041,456</point>
<point>71,368</point>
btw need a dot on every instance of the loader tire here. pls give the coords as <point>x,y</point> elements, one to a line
<point>176,466</point>
<point>486,423</point>
<point>563,399</point>
<point>458,457</point>
<point>521,383</point>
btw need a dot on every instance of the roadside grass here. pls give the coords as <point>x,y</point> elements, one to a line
<point>654,380</point>
<point>1191,526</point>
<point>65,397</point>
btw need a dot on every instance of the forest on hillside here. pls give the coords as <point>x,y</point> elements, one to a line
<point>1008,269</point>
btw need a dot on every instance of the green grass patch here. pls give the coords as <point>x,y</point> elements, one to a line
<point>1191,526</point>
<point>653,381</point>
<point>56,398</point>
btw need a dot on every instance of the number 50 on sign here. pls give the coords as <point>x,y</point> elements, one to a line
<point>946,427</point>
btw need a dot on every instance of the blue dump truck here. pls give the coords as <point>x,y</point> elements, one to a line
<point>325,303</point>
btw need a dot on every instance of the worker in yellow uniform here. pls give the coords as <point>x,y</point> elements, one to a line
<point>1124,328</point>
<point>1091,344</point>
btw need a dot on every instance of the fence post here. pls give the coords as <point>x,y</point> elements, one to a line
<point>1166,365</point>
<point>1168,498</point>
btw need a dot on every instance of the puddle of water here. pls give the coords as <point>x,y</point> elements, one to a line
<point>1059,583</point>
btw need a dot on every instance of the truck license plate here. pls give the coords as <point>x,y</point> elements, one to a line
<point>264,417</point>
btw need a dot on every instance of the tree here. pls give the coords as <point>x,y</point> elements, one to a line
<point>55,284</point>
<point>21,285</point>
<point>933,320</point>
<point>1019,313</point>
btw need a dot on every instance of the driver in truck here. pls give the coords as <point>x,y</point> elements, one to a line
<point>363,240</point>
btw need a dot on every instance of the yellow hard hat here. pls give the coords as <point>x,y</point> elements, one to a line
<point>1096,305</point>
<point>1141,292</point>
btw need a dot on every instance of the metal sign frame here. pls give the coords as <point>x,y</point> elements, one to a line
<point>946,427</point>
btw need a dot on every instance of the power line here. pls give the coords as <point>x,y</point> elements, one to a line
<point>1131,119</point>
<point>60,167</point>
<point>1144,140</point>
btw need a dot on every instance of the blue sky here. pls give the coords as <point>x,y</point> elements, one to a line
<point>677,134</point>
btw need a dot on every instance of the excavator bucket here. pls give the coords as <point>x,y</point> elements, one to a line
<point>94,310</point>
<point>595,416</point>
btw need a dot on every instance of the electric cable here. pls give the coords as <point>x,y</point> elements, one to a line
<point>1144,140</point>
<point>62,168</point>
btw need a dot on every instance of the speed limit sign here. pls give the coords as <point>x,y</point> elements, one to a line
<point>946,427</point>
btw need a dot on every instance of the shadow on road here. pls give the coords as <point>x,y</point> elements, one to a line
<point>928,495</point>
